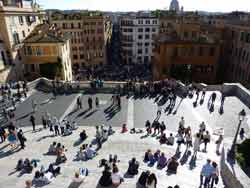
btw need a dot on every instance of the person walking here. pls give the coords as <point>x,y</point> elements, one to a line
<point>97,102</point>
<point>21,138</point>
<point>242,133</point>
<point>90,102</point>
<point>32,120</point>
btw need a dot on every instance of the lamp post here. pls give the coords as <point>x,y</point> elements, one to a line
<point>242,116</point>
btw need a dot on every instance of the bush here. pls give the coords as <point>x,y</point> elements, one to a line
<point>240,159</point>
<point>243,153</point>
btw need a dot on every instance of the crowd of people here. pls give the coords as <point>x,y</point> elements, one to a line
<point>111,175</point>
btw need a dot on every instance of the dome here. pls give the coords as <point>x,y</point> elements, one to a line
<point>174,6</point>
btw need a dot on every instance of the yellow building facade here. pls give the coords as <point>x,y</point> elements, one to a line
<point>18,18</point>
<point>46,53</point>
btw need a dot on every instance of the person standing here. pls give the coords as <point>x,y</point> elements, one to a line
<point>203,94</point>
<point>97,102</point>
<point>90,102</point>
<point>79,103</point>
<point>13,103</point>
<point>215,174</point>
<point>62,127</point>
<point>32,120</point>
<point>56,126</point>
<point>98,138</point>
<point>34,105</point>
<point>223,97</point>
<point>196,144</point>
<point>206,139</point>
<point>21,138</point>
<point>118,99</point>
<point>206,173</point>
<point>218,143</point>
<point>2,134</point>
<point>159,108</point>
<point>44,122</point>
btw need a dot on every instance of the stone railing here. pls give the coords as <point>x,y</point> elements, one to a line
<point>231,173</point>
<point>229,89</point>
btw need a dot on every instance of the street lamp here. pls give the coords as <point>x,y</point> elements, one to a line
<point>242,116</point>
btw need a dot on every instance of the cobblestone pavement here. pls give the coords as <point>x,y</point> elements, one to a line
<point>126,146</point>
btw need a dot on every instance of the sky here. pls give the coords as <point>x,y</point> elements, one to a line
<point>134,5</point>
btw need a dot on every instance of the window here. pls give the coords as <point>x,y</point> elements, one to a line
<point>39,51</point>
<point>3,58</point>
<point>146,44</point>
<point>140,37</point>
<point>201,51</point>
<point>147,29</point>
<point>139,44</point>
<point>193,34</point>
<point>146,50</point>
<point>64,26</point>
<point>153,30</point>
<point>72,26</point>
<point>211,51</point>
<point>75,56</point>
<point>139,51</point>
<point>242,36</point>
<point>185,34</point>
<point>99,30</point>
<point>154,21</point>
<point>23,32</point>
<point>81,56</point>
<point>140,30</point>
<point>146,36</point>
<point>16,38</point>
<point>191,51</point>
<point>92,31</point>
<point>29,50</point>
<point>79,25</point>
<point>20,18</point>
<point>140,21</point>
<point>147,21</point>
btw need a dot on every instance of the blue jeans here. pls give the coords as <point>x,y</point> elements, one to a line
<point>206,182</point>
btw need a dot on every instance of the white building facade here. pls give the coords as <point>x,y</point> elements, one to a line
<point>137,38</point>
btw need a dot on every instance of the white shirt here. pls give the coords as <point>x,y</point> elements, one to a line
<point>171,139</point>
<point>116,178</point>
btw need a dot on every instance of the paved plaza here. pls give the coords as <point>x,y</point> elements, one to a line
<point>134,112</point>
